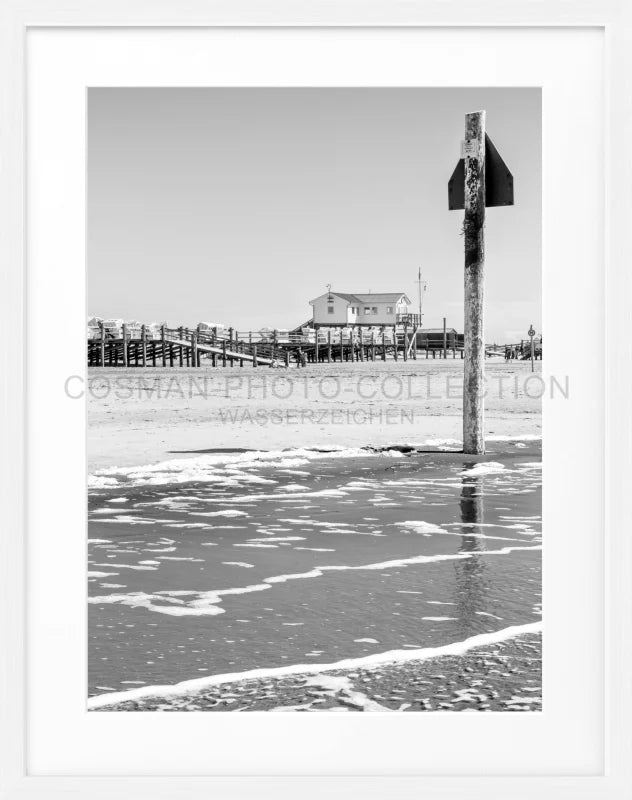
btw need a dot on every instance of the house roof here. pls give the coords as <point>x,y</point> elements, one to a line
<point>384,297</point>
<point>380,297</point>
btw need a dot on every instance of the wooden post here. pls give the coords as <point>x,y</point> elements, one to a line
<point>180,348</point>
<point>328,345</point>
<point>254,353</point>
<point>223,352</point>
<point>373,345</point>
<point>445,339</point>
<point>102,345</point>
<point>415,343</point>
<point>194,353</point>
<point>474,231</point>
<point>405,341</point>
<point>124,345</point>
<point>164,347</point>
<point>395,340</point>
<point>143,336</point>
<point>383,343</point>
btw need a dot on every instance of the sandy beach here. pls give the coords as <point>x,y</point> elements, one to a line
<point>142,416</point>
<point>248,520</point>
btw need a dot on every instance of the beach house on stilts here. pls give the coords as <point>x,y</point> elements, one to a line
<point>333,309</point>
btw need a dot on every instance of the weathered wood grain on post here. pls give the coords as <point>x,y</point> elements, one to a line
<point>474,233</point>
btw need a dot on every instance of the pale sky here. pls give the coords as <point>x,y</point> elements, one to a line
<point>240,205</point>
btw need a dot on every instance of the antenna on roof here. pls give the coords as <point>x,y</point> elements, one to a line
<point>329,295</point>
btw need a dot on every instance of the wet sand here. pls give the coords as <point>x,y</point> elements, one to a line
<point>506,676</point>
<point>224,564</point>
<point>246,519</point>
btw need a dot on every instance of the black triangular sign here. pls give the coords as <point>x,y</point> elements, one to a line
<point>498,181</point>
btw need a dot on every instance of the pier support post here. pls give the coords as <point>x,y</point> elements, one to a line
<point>406,341</point>
<point>395,341</point>
<point>328,345</point>
<point>164,345</point>
<point>254,355</point>
<point>194,350</point>
<point>125,354</point>
<point>102,346</point>
<point>143,338</point>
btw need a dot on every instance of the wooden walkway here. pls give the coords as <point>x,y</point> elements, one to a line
<point>180,347</point>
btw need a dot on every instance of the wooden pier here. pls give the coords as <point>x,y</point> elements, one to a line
<point>147,346</point>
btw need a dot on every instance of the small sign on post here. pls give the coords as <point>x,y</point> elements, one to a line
<point>469,147</point>
<point>531,333</point>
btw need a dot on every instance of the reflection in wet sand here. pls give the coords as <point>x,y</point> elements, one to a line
<point>471,583</point>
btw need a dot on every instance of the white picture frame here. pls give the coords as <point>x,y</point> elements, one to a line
<point>16,779</point>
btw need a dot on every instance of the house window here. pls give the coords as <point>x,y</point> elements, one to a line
<point>330,309</point>
<point>389,309</point>
<point>374,310</point>
<point>367,310</point>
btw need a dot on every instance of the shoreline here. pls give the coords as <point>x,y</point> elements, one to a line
<point>454,678</point>
<point>395,658</point>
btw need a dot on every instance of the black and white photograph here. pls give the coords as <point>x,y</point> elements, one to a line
<point>314,399</point>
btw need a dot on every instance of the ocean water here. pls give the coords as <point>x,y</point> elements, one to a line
<point>227,563</point>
